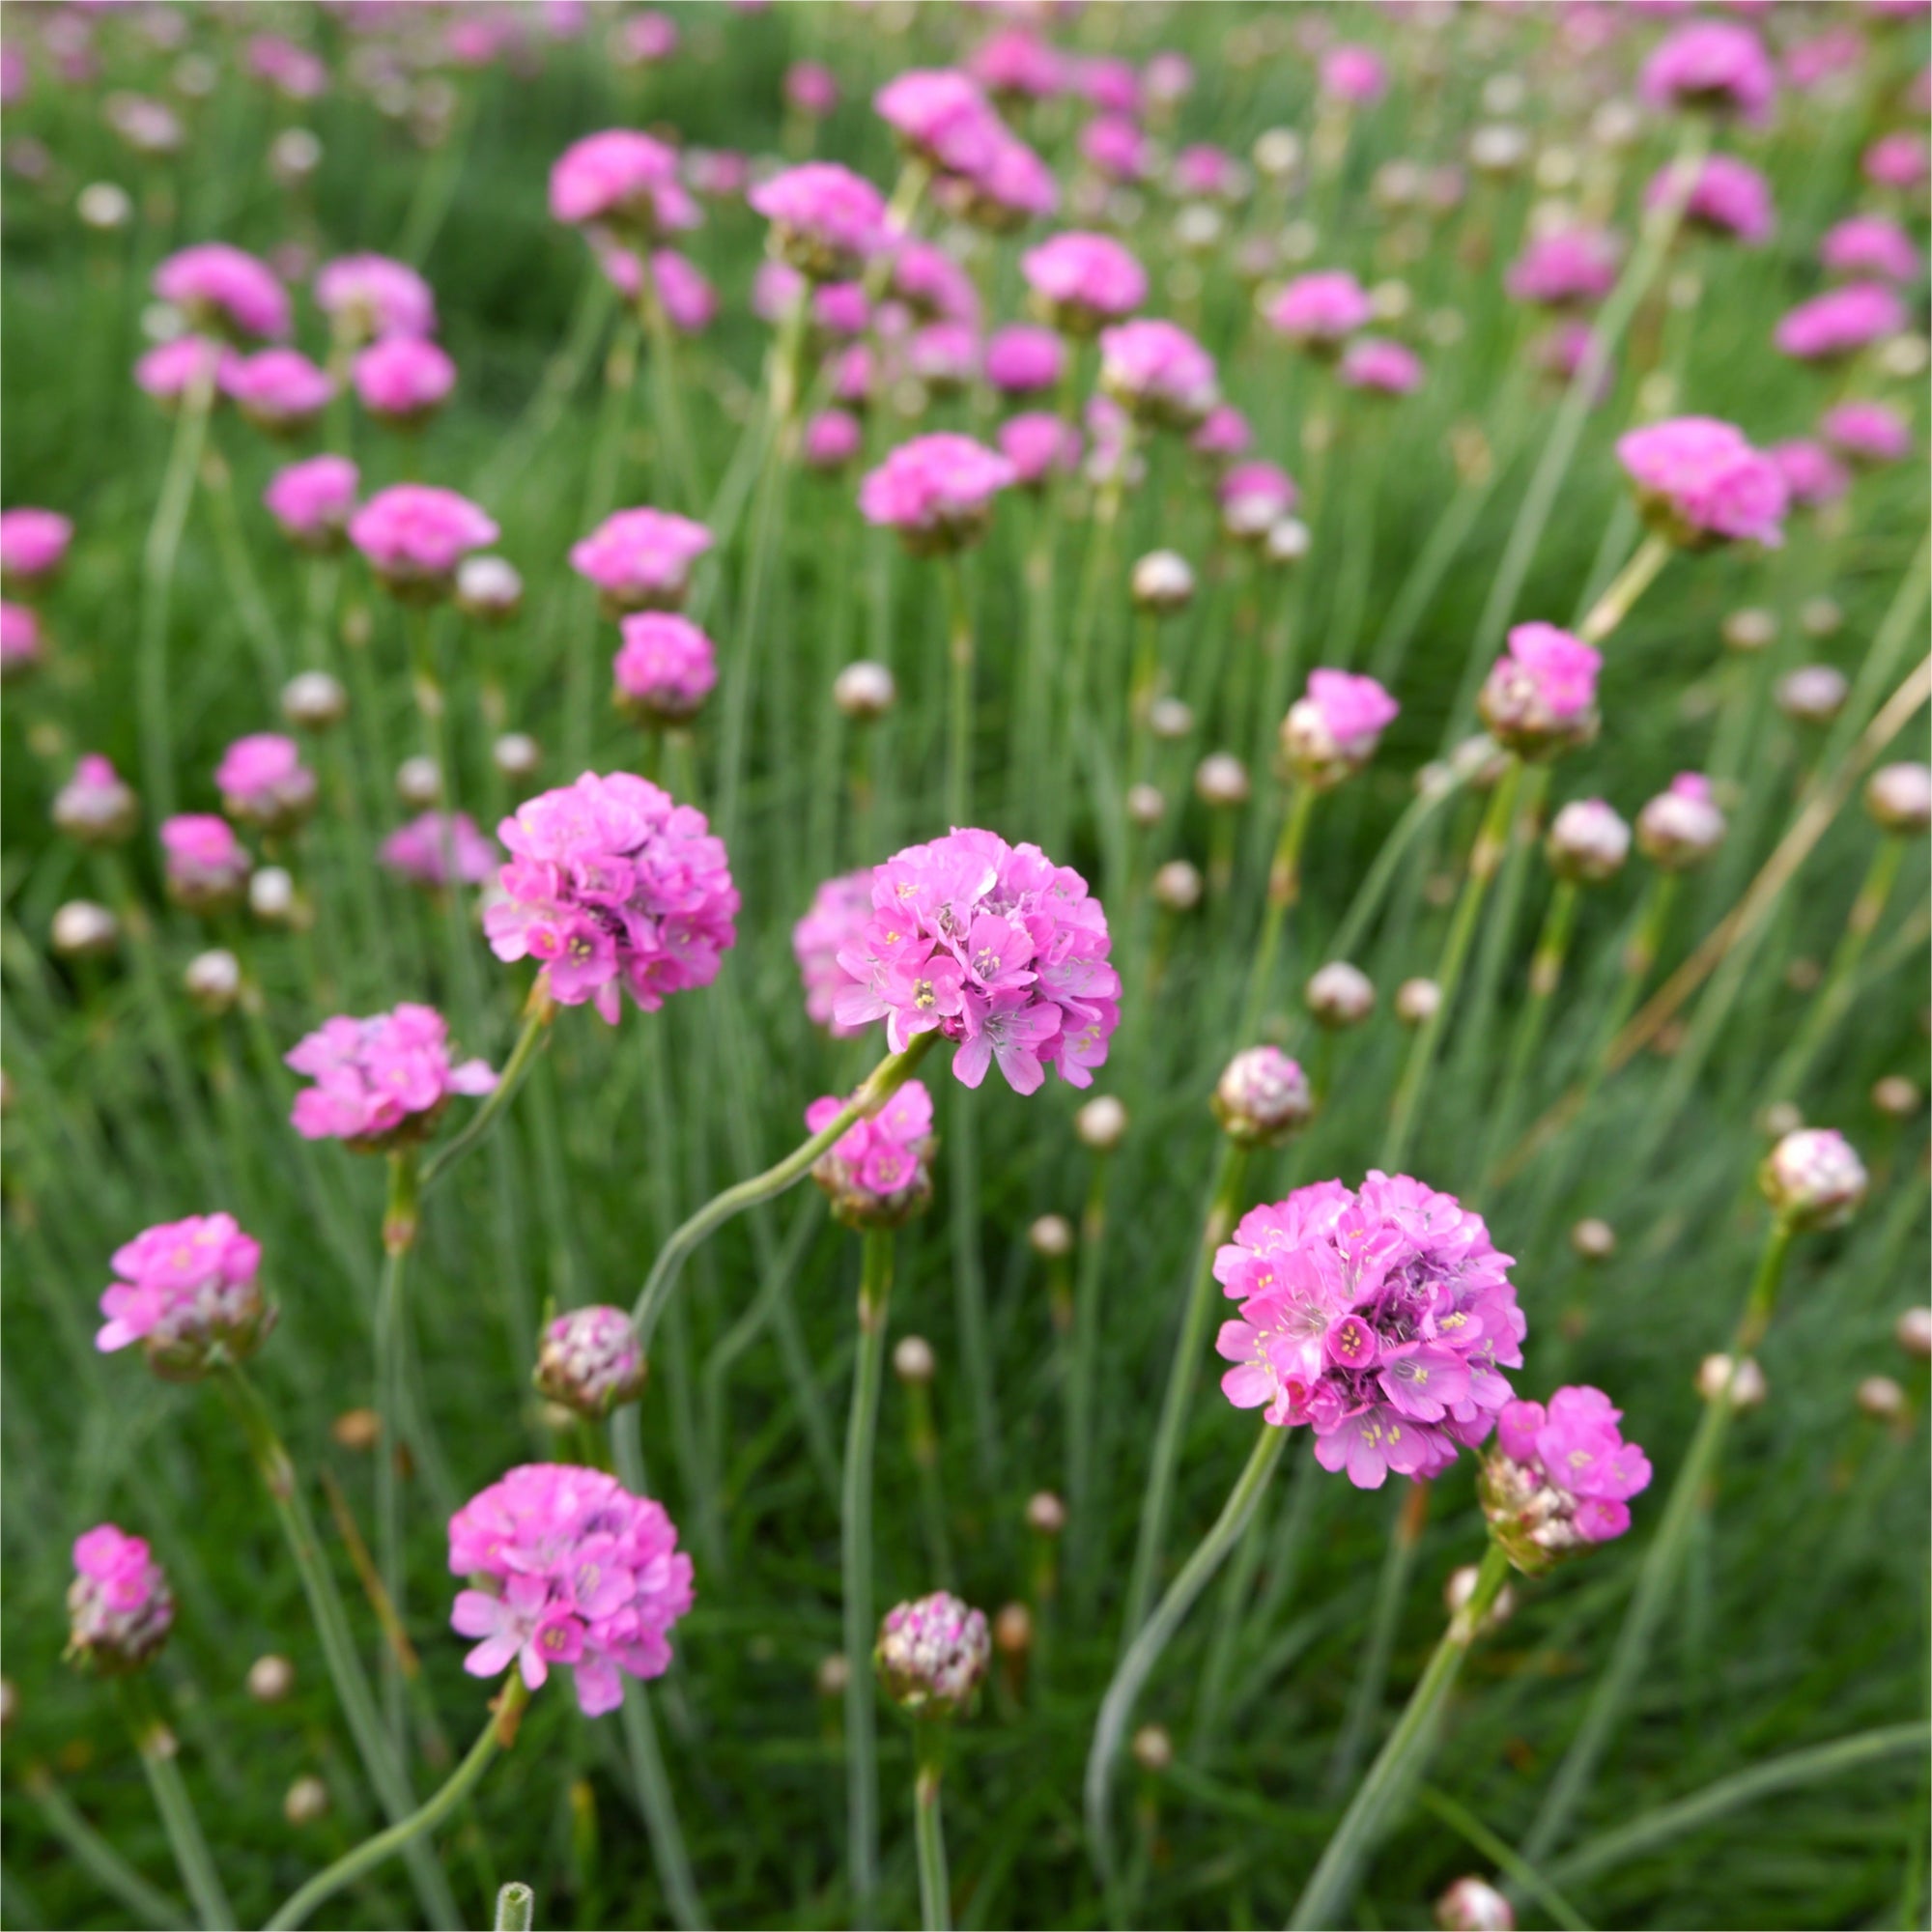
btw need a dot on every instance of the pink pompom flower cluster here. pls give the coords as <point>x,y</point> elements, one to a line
<point>1382,1317</point>
<point>224,288</point>
<point>932,1654</point>
<point>936,490</point>
<point>264,783</point>
<point>1866,432</point>
<point>1713,65</point>
<point>840,909</point>
<point>1380,366</point>
<point>403,379</point>
<point>205,865</point>
<point>983,171</point>
<point>613,887</point>
<point>414,536</point>
<point>1158,373</point>
<point>1541,694</point>
<point>279,390</point>
<point>876,1172</point>
<point>590,1360</point>
<point>313,501</point>
<point>622,178</point>
<point>370,298</point>
<point>640,560</point>
<point>1332,731</point>
<point>118,1607</point>
<point>186,1292</point>
<point>665,669</point>
<point>1700,482</point>
<point>1080,281</point>
<point>574,1570</point>
<point>1870,245</point>
<point>1569,268</point>
<point>1561,1478</point>
<point>995,948</point>
<point>33,546</point>
<point>1319,311</point>
<point>1727,197</point>
<point>826,222</point>
<point>1840,322</point>
<point>380,1082</point>
<point>423,850</point>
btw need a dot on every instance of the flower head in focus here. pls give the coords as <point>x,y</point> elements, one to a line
<point>186,1292</point>
<point>1561,1478</point>
<point>382,1082</point>
<point>118,1607</point>
<point>1261,1098</point>
<point>876,1174</point>
<point>1813,1179</point>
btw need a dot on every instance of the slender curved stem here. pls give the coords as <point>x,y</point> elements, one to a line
<point>399,1237</point>
<point>156,1743</point>
<point>1625,587</point>
<point>935,1890</point>
<point>959,716</point>
<point>537,1017</point>
<point>1545,974</point>
<point>1284,888</point>
<point>660,1811</point>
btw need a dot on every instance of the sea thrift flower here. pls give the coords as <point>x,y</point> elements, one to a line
<point>1541,695</point>
<point>640,560</point>
<point>1681,827</point>
<point>19,640</point>
<point>1158,373</point>
<point>489,589</point>
<point>811,87</point>
<point>832,439</point>
<point>1022,360</point>
<point>1899,798</point>
<point>841,910</point>
<point>589,1360</point>
<point>1588,842</point>
<point>994,947</point>
<point>936,490</point>
<point>1116,146</point>
<point>1812,474</point>
<point>1010,187</point>
<point>175,369</point>
<point>1080,281</point>
<point>1209,173</point>
<point>1339,994</point>
<point>369,297</point>
<point>1561,1478</point>
<point>414,536</point>
<point>96,805</point>
<point>1015,62</point>
<point>293,71</point>
<point>622,178</point>
<point>1699,482</point>
<point>1381,1318</point>
<point>690,301</point>
<point>613,887</point>
<point>1261,1098</point>
<point>224,290</point>
<point>206,864</point>
<point>1813,694</point>
<point>1868,433</point>
<point>1896,160</point>
<point>1384,368</point>
<point>313,501</point>
<point>1840,322</point>
<point>403,379</point>
<point>1713,65</point>
<point>423,850</point>
<point>941,115</point>
<point>665,669</point>
<point>1870,245</point>
<point>118,1607</point>
<point>1040,445</point>
<point>1813,1179</point>
<point>382,1082</point>
<point>826,222</point>
<point>645,40</point>
<point>1569,268</point>
<point>186,1292</point>
<point>264,783</point>
<point>944,356</point>
<point>932,284</point>
<point>1727,197</point>
<point>1319,312</point>
<point>575,1571</point>
<point>1333,733</point>
<point>932,1655</point>
<point>33,546</point>
<point>1224,434</point>
<point>876,1172</point>
<point>279,390</point>
<point>1354,74</point>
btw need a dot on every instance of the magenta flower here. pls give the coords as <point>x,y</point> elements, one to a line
<point>992,945</point>
<point>1727,197</point>
<point>942,114</point>
<point>172,369</point>
<point>590,1360</point>
<point>1319,311</point>
<point>1015,62</point>
<point>944,356</point>
<point>382,1082</point>
<point>1867,432</point>
<point>1023,360</point>
<point>1700,482</point>
<point>1116,147</point>
<point>1355,74</point>
<point>1253,496</point>
<point>1223,433</point>
<point>1541,695</point>
<point>1713,65</point>
<point>1040,445</point>
<point>204,862</point>
<point>1896,160</point>
<point>1813,1179</point>
<point>840,909</point>
<point>370,297</point>
<point>832,439</point>
<point>640,560</point>
<point>690,301</point>
<point>933,285</point>
<point>118,1607</point>
<point>186,1292</point>
<point>644,38</point>
<point>1840,322</point>
<point>1109,82</point>
<point>1383,368</point>
<point>279,390</point>
<point>224,290</point>
<point>625,178</point>
<point>1010,187</point>
<point>292,70</point>
<point>1561,1478</point>
<point>665,669</point>
<point>1208,173</point>
<point>876,1172</point>
<point>414,536</point>
<point>404,379</point>
<point>936,490</point>
<point>811,87</point>
<point>1682,826</point>
<point>96,806</point>
<point>577,1572</point>
<point>826,222</point>
<point>612,887</point>
<point>1333,733</point>
<point>1080,281</point>
<point>1870,245</point>
<point>1567,267</point>
<point>1381,1318</point>
<point>1812,474</point>
<point>264,783</point>
<point>313,501</point>
<point>19,640</point>
<point>33,546</point>
<point>423,850</point>
<point>1158,373</point>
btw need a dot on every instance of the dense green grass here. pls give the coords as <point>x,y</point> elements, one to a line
<point>1803,1617</point>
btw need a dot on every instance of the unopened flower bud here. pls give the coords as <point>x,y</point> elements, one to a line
<point>1499,149</point>
<point>831,1675</point>
<point>418,783</point>
<point>932,1655</point>
<point>517,755</point>
<point>1780,1117</point>
<point>1163,582</point>
<point>1101,1124</point>
<point>1147,805</point>
<point>1896,1097</point>
<point>1261,1098</point>
<point>1277,152</point>
<point>1045,1513</point>
<point>1221,781</point>
<point>312,701</point>
<point>1681,827</point>
<point>271,895</point>
<point>1462,1587</point>
<point>1882,1399</point>
<point>1051,1238</point>
<point>1899,798</point>
<point>1479,761</point>
<point>305,1801</point>
<point>83,930</point>
<point>1170,719</point>
<point>1588,842</point>
<point>489,589</point>
<point>590,1361</point>
<point>104,207</point>
<point>9,1703</point>
<point>1417,1002</point>
<point>294,156</point>
<point>1813,1179</point>
<point>96,806</point>
<point>271,1679</point>
<point>1471,1905</point>
<point>1339,995</point>
<point>913,1360</point>
<point>1152,1749</point>
<point>1177,886</point>
<point>118,1607</point>
<point>1813,694</point>
<point>1594,1241</point>
<point>1744,1379</point>
<point>1285,541</point>
<point>1913,1332</point>
<point>864,691</point>
<point>1012,1630</point>
<point>1749,630</point>
<point>213,980</point>
<point>1820,617</point>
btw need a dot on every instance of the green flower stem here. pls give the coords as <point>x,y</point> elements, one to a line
<point>338,1646</point>
<point>245,591</point>
<point>1324,1899</point>
<point>855,1541</point>
<point>1485,856</point>
<point>157,1748</point>
<point>1365,1699</point>
<point>537,1016</point>
<point>516,1907</point>
<point>667,393</point>
<point>1083,1366</point>
<point>935,1890</point>
<point>1655,1578</point>
<point>96,1857</point>
<point>596,298</point>
<point>1545,974</point>
<point>497,1734</point>
<point>660,1811</point>
<point>1283,890</point>
<point>1373,889</point>
<point>1032,716</point>
<point>1087,610</point>
<point>1116,1708</point>
<point>399,1237</point>
<point>1231,1169</point>
<point>922,1450</point>
<point>959,684</point>
<point>1625,587</point>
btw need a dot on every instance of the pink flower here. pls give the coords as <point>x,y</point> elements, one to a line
<point>1022,360</point>
<point>1081,280</point>
<point>590,1361</point>
<point>875,1171</point>
<point>1008,188</point>
<point>96,805</point>
<point>665,669</point>
<point>1727,197</point>
<point>1896,160</point>
<point>1169,77</point>
<point>1016,63</point>
<point>370,297</point>
<point>1117,147</point>
<point>1253,496</point>
<point>1713,64</point>
<point>423,850</point>
<point>205,864</point>
<point>1158,373</point>
<point>1561,1478</point>
<point>380,1082</point>
<point>1681,825</point>
<point>827,221</point>
<point>19,640</point>
<point>1040,445</point>
<point>933,284</point>
<point>120,1608</point>
<point>932,1654</point>
<point>944,356</point>
<point>833,438</point>
<point>224,288</point>
<point>292,70</point>
<point>689,300</point>
<point>1224,432</point>
<point>943,115</point>
<point>1110,83</point>
<point>277,389</point>
<point>263,781</point>
<point>404,379</point>
<point>1569,268</point>
<point>1333,733</point>
<point>414,536</point>
<point>1384,368</point>
<point>1354,74</point>
<point>645,40</point>
<point>1869,433</point>
<point>581,1573</point>
<point>640,560</point>
<point>186,1292</point>
<point>622,178</point>
<point>1839,50</point>
<point>1870,245</point>
<point>1700,482</point>
<point>172,369</point>
<point>33,546</point>
<point>1840,322</point>
<point>1382,1319</point>
<point>312,500</point>
<point>612,887</point>
<point>993,946</point>
<point>1317,311</point>
<point>936,490</point>
<point>1812,474</point>
<point>1209,173</point>
<point>811,87</point>
<point>1541,695</point>
<point>840,909</point>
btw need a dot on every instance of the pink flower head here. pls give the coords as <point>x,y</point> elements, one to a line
<point>1561,1478</point>
<point>382,1082</point>
<point>590,1360</point>
<point>96,806</point>
<point>1040,445</point>
<point>1169,77</point>
<point>1700,482</point>
<point>224,290</point>
<point>33,546</point>
<point>1008,188</point>
<point>1870,245</point>
<point>404,379</point>
<point>1381,1318</point>
<point>944,356</point>
<point>1837,51</point>
<point>1540,697</point>
<point>1254,497</point>
<point>622,178</point>
<point>1569,268</point>
<point>1208,173</point>
<point>19,640</point>
<point>120,1608</point>
<point>1840,322</point>
<point>1727,197</point>
<point>1896,160</point>
<point>811,87</point>
<point>995,947</point>
<point>1319,311</point>
<point>942,114</point>
<point>876,1172</point>
<point>1682,826</point>
<point>932,1655</point>
<point>1117,147</point>
<point>1015,62</point>
<point>826,222</point>
<point>1158,373</point>
<point>170,370</point>
<point>1867,432</point>
<point>1812,474</point>
<point>1023,360</point>
<point>644,38</point>
<point>690,301</point>
<point>264,783</point>
<point>1110,83</point>
<point>833,438</point>
<point>186,1292</point>
<point>206,864</point>
<point>369,297</point>
<point>424,850</point>
<point>1333,733</point>
<point>613,887</point>
<point>313,501</point>
<point>573,1570</point>
<point>415,535</point>
<point>1383,368</point>
<point>1081,281</point>
<point>293,71</point>
<point>1715,64</point>
<point>1354,74</point>
<point>279,390</point>
<point>936,490</point>
<point>665,669</point>
<point>640,560</point>
<point>933,284</point>
<point>1223,433</point>
<point>840,909</point>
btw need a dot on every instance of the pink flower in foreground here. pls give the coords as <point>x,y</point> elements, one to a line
<point>1319,311</point>
<point>1354,74</point>
<point>578,1572</point>
<point>279,390</point>
<point>936,490</point>
<point>995,947</point>
<point>1080,281</point>
<point>1023,360</point>
<point>1867,432</point>
<point>826,222</point>
<point>590,1360</point>
<point>1567,267</point>
<point>19,640</point>
<point>640,560</point>
<point>613,887</point>
<point>665,669</point>
<point>1727,197</point>
<point>170,370</point>
<point>1541,695</point>
<point>414,536</point>
<point>1896,160</point>
<point>1870,245</point>
<point>313,501</point>
<point>403,379</point>
<point>1840,322</point>
<point>840,909</point>
<point>1561,1478</point>
<point>1812,474</point>
<point>1383,368</point>
<point>264,783</point>
<point>1040,445</point>
<point>1381,1318</point>
<point>876,1172</point>
<point>1158,373</point>
<point>224,288</point>
<point>1713,64</point>
<point>1333,733</point>
<point>118,1607</point>
<point>423,850</point>
<point>186,1292</point>
<point>626,178</point>
<point>206,864</point>
<point>1700,482</point>
<point>369,297</point>
<point>382,1082</point>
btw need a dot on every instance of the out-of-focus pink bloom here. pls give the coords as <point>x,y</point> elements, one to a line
<point>264,783</point>
<point>622,178</point>
<point>1838,51</point>
<point>1208,173</point>
<point>414,536</point>
<point>369,297</point>
<point>1867,432</point>
<point>1112,85</point>
<point>1727,197</point>
<point>19,640</point>
<point>1169,77</point>
<point>941,114</point>
<point>1022,359</point>
<point>277,389</point>
<point>382,1082</point>
<point>1561,351</point>
<point>613,887</point>
<point>1117,147</point>
<point>1040,445</point>
<point>1569,268</point>
<point>312,500</point>
<point>186,1292</point>
<point>841,910</point>
<point>640,560</point>
<point>171,370</point>
<point>1319,311</point>
<point>826,222</point>
<point>1840,322</point>
<point>690,301</point>
<point>225,289</point>
<point>1001,952</point>
<point>1253,496</point>
<point>854,376</point>
<point>1158,373</point>
<point>1223,433</point>
<point>1896,160</point>
<point>1561,1478</point>
<point>404,379</point>
<point>118,1607</point>
<point>665,669</point>
<point>833,438</point>
<point>1015,62</point>
<point>12,75</point>
<point>423,850</point>
<point>1682,825</point>
<point>876,1172</point>
<point>1870,245</point>
<point>1700,482</point>
<point>933,284</point>
<point>206,864</point>
<point>1111,456</point>
<point>936,490</point>
<point>1712,65</point>
<point>1010,187</point>
<point>644,38</point>
<point>580,1573</point>
<point>33,546</point>
<point>293,71</point>
<point>811,87</point>
<point>1812,473</point>
<point>476,41</point>
<point>1081,281</point>
<point>96,806</point>
<point>945,355</point>
<point>1354,74</point>
<point>1541,694</point>
<point>1376,363</point>
<point>718,174</point>
<point>1333,733</point>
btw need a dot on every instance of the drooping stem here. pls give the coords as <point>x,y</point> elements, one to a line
<point>1284,888</point>
<point>156,1743</point>
<point>935,1891</point>
<point>399,1236</point>
<point>1628,584</point>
